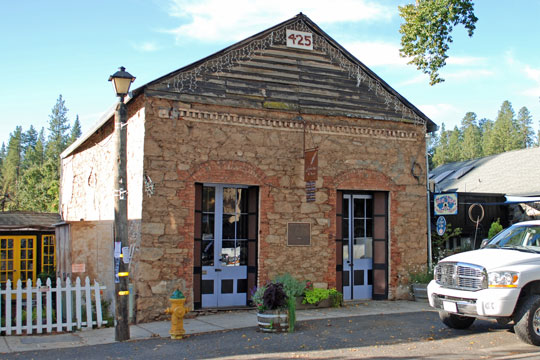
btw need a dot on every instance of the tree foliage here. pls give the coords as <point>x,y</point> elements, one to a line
<point>484,137</point>
<point>30,164</point>
<point>425,34</point>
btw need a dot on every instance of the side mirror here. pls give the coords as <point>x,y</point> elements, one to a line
<point>484,243</point>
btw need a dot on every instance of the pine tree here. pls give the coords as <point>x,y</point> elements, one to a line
<point>28,142</point>
<point>58,130</point>
<point>486,131</point>
<point>505,136</point>
<point>471,147</point>
<point>11,168</point>
<point>454,145</point>
<point>441,153</point>
<point>524,128</point>
<point>75,131</point>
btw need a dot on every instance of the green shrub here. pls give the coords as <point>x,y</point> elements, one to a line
<point>421,276</point>
<point>495,228</point>
<point>315,296</point>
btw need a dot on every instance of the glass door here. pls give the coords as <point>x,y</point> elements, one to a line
<point>357,246</point>
<point>17,259</point>
<point>224,245</point>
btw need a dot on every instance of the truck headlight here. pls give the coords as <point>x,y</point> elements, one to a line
<point>503,279</point>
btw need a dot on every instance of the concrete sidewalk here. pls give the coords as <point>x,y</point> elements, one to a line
<point>226,320</point>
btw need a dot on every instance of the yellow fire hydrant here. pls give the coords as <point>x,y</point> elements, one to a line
<point>177,311</point>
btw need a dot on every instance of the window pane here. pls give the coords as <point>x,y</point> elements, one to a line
<point>359,228</point>
<point>241,227</point>
<point>229,227</point>
<point>363,248</point>
<point>30,243</point>
<point>229,201</point>
<point>207,253</point>
<point>209,199</point>
<point>243,249</point>
<point>345,229</point>
<point>242,200</point>
<point>359,208</point>
<point>369,208</point>
<point>369,227</point>
<point>208,226</point>
<point>230,254</point>
<point>345,210</point>
<point>23,243</point>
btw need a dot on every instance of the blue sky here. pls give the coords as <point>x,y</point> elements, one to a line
<point>71,47</point>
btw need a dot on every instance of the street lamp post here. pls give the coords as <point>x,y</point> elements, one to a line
<point>121,81</point>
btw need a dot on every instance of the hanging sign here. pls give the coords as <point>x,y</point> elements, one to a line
<point>445,204</point>
<point>299,39</point>
<point>311,164</point>
<point>441,225</point>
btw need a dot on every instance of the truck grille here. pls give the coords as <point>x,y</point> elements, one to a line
<point>461,276</point>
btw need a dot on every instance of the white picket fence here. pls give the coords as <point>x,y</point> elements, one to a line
<point>65,313</point>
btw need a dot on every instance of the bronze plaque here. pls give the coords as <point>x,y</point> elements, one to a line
<point>311,164</point>
<point>299,234</point>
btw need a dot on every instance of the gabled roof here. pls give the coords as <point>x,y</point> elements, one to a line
<point>233,63</point>
<point>514,173</point>
<point>328,80</point>
<point>28,221</point>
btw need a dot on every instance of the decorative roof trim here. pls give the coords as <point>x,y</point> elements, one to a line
<point>187,80</point>
<point>287,125</point>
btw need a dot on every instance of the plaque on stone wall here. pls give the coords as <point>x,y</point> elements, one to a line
<point>298,234</point>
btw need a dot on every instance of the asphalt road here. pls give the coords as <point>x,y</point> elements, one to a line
<point>399,336</point>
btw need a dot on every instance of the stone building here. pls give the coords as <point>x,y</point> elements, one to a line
<point>280,154</point>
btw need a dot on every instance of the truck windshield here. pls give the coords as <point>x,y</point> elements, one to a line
<point>518,237</point>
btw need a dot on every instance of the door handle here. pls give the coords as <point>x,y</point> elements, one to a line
<point>217,270</point>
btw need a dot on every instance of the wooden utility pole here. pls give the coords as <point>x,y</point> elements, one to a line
<point>121,224</point>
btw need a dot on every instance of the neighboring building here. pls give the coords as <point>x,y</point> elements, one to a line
<point>506,185</point>
<point>218,201</point>
<point>27,245</point>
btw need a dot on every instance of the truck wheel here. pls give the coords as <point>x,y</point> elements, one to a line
<point>455,321</point>
<point>527,320</point>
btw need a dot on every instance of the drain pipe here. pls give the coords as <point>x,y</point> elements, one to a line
<point>430,262</point>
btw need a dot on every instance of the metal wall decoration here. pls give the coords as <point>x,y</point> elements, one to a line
<point>148,185</point>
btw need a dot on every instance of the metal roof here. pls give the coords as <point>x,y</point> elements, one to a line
<point>515,173</point>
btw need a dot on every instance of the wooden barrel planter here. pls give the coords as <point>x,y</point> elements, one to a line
<point>273,321</point>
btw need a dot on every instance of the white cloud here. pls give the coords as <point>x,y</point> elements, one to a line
<point>376,53</point>
<point>534,75</point>
<point>531,73</point>
<point>468,74</point>
<point>145,47</point>
<point>464,60</point>
<point>208,20</point>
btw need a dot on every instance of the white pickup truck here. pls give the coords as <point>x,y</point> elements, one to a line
<point>499,281</point>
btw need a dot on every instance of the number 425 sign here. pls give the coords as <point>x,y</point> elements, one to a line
<point>299,39</point>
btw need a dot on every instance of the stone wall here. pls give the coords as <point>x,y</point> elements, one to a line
<point>185,144</point>
<point>86,184</point>
<point>87,198</point>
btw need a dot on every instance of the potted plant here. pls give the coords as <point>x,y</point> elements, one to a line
<point>272,308</point>
<point>419,279</point>
<point>322,297</point>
